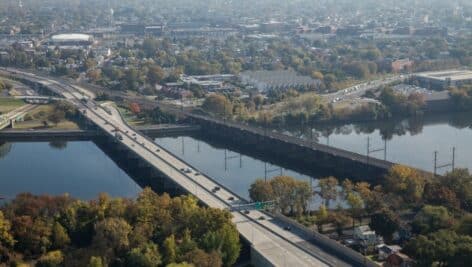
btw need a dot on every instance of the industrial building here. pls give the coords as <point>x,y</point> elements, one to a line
<point>277,80</point>
<point>441,80</point>
<point>71,41</point>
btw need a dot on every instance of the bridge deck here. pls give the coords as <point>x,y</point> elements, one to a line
<point>279,247</point>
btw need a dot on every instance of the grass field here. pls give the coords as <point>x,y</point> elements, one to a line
<point>36,118</point>
<point>8,104</point>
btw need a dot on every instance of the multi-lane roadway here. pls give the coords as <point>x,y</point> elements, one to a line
<point>266,235</point>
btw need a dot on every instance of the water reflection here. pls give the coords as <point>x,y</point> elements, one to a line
<point>5,148</point>
<point>410,141</point>
<point>58,144</point>
<point>79,168</point>
<point>232,169</point>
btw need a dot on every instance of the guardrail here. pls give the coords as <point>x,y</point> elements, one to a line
<point>328,244</point>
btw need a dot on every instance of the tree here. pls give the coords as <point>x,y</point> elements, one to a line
<point>6,239</point>
<point>96,262</point>
<point>202,259</point>
<point>340,221</point>
<point>158,116</point>
<point>465,225</point>
<point>437,194</point>
<point>405,181</point>
<point>443,248</point>
<point>155,75</point>
<point>261,190</point>
<point>169,250</point>
<point>317,75</point>
<point>57,116</point>
<point>94,75</point>
<point>51,259</point>
<point>145,256</point>
<point>356,203</point>
<point>218,104</point>
<point>431,219</point>
<point>460,182</point>
<point>112,234</point>
<point>182,264</point>
<point>226,241</point>
<point>321,217</point>
<point>60,238</point>
<point>384,222</point>
<point>328,188</point>
<point>135,108</point>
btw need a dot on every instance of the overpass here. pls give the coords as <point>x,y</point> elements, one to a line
<point>271,245</point>
<point>11,117</point>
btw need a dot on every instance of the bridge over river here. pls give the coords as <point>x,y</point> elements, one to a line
<point>270,244</point>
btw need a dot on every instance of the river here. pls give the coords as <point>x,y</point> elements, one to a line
<point>79,168</point>
<point>409,141</point>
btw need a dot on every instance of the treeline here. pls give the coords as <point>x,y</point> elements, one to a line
<point>307,109</point>
<point>430,217</point>
<point>461,97</point>
<point>152,230</point>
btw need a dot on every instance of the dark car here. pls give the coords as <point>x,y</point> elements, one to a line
<point>216,188</point>
<point>262,218</point>
<point>287,228</point>
<point>231,198</point>
<point>246,211</point>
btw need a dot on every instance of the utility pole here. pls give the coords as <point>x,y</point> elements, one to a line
<point>229,157</point>
<point>451,164</point>
<point>370,151</point>
<point>267,171</point>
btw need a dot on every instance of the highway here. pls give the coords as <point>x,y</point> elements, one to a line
<point>266,235</point>
<point>12,115</point>
<point>360,89</point>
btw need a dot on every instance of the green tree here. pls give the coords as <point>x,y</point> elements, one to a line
<point>112,234</point>
<point>169,250</point>
<point>321,217</point>
<point>226,241</point>
<point>384,222</point>
<point>145,256</point>
<point>431,219</point>
<point>60,238</point>
<point>96,262</point>
<point>182,264</point>
<point>202,259</point>
<point>465,225</point>
<point>51,259</point>
<point>442,248</point>
<point>6,239</point>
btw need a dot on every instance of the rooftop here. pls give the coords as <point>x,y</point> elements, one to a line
<point>454,75</point>
<point>71,37</point>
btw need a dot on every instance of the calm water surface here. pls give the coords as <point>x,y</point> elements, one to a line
<point>410,142</point>
<point>78,168</point>
<point>83,170</point>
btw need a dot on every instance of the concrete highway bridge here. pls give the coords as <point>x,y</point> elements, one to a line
<point>270,244</point>
<point>9,119</point>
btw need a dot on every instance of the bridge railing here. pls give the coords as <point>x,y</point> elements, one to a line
<point>294,140</point>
